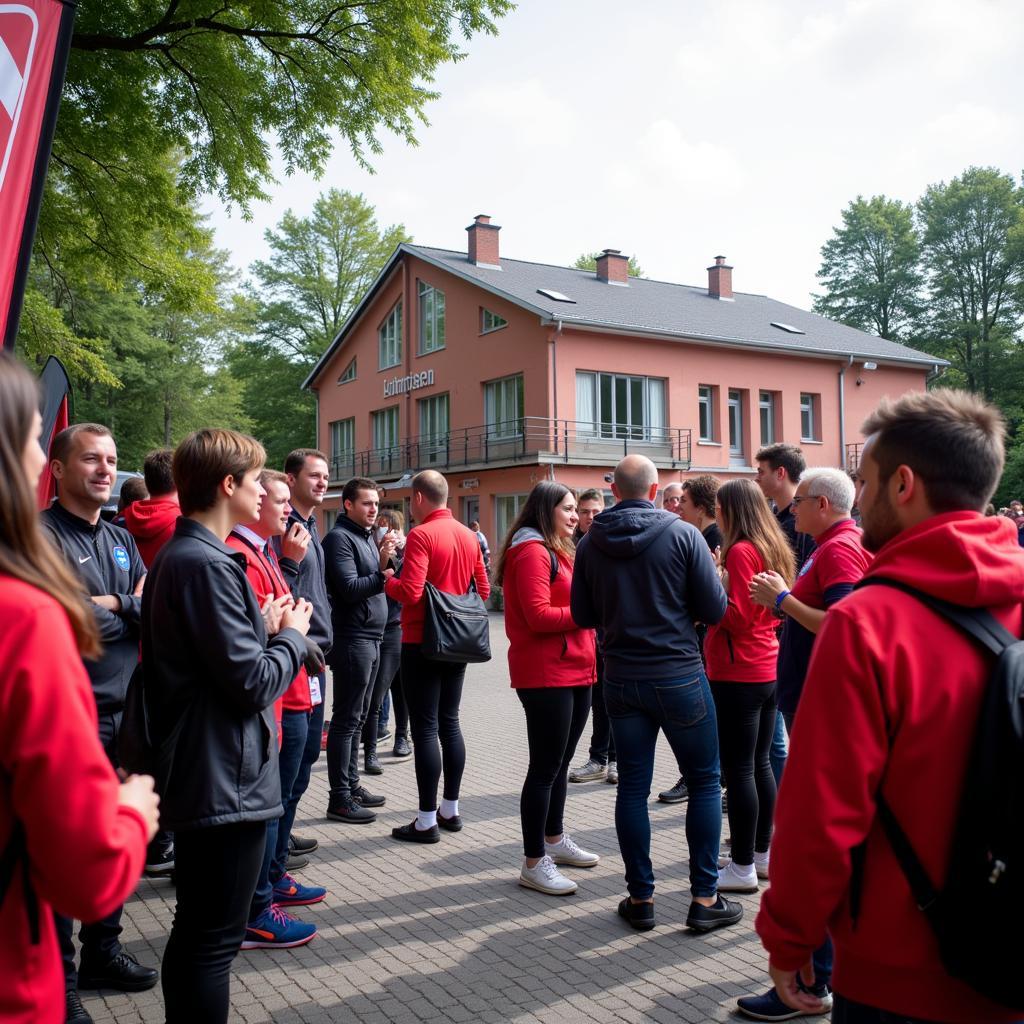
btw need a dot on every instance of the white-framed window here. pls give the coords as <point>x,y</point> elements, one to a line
<point>389,338</point>
<point>503,407</point>
<point>349,373</point>
<point>506,508</point>
<point>706,412</point>
<point>735,426</point>
<point>343,447</point>
<point>491,321</point>
<point>620,406</point>
<point>431,318</point>
<point>330,518</point>
<point>809,426</point>
<point>433,429</point>
<point>766,407</point>
<point>385,429</point>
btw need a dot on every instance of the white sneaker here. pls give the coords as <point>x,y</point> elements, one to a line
<point>613,773</point>
<point>761,863</point>
<point>568,853</point>
<point>545,877</point>
<point>589,772</point>
<point>733,878</point>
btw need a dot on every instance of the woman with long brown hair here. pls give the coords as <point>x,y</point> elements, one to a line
<point>553,665</point>
<point>73,838</point>
<point>741,652</point>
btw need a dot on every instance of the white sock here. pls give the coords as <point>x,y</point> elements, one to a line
<point>449,808</point>
<point>426,820</point>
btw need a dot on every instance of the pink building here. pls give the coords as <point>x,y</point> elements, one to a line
<point>501,372</point>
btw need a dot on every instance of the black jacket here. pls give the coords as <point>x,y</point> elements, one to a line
<point>359,609</point>
<point>307,579</point>
<point>211,679</point>
<point>644,577</point>
<point>107,561</point>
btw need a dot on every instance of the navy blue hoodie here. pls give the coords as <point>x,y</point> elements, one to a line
<point>644,576</point>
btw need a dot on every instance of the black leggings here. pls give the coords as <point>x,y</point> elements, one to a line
<point>216,870</point>
<point>746,724</point>
<point>555,719</point>
<point>433,691</point>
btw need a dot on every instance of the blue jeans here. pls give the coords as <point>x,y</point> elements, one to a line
<point>310,756</point>
<point>684,710</point>
<point>294,734</point>
<point>780,749</point>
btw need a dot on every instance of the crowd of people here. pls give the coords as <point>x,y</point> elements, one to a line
<point>198,628</point>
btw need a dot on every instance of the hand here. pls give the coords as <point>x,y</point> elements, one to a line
<point>313,659</point>
<point>295,543</point>
<point>137,592</point>
<point>765,587</point>
<point>297,616</point>
<point>789,990</point>
<point>387,550</point>
<point>388,573</point>
<point>272,612</point>
<point>723,576</point>
<point>137,792</point>
<point>109,601</point>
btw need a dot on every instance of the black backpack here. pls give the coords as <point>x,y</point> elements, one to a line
<point>976,915</point>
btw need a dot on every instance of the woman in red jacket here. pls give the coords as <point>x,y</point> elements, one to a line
<point>72,839</point>
<point>553,666</point>
<point>741,652</point>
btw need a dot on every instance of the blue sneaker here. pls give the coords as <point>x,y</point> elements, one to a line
<point>274,929</point>
<point>771,1007</point>
<point>289,893</point>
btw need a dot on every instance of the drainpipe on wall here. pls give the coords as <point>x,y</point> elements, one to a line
<point>842,411</point>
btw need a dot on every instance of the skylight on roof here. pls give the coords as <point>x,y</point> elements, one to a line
<point>788,328</point>
<point>557,296</point>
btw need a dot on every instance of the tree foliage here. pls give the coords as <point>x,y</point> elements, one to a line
<point>588,261</point>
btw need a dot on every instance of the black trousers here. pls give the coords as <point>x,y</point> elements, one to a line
<point>746,725</point>
<point>555,719</point>
<point>602,742</point>
<point>216,870</point>
<point>387,673</point>
<point>99,939</point>
<point>354,665</point>
<point>845,1011</point>
<point>433,691</point>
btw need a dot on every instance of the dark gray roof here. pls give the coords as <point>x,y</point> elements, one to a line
<point>656,308</point>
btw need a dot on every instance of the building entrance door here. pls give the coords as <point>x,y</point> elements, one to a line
<point>470,510</point>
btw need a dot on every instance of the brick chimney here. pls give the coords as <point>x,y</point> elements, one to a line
<point>720,279</point>
<point>483,242</point>
<point>613,267</point>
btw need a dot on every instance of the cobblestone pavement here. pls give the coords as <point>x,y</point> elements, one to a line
<point>443,933</point>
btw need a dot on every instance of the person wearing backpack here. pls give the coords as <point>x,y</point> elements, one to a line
<point>552,665</point>
<point>887,722</point>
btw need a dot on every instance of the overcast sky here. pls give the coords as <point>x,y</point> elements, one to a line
<point>677,130</point>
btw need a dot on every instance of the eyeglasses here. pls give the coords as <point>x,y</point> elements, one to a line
<point>797,498</point>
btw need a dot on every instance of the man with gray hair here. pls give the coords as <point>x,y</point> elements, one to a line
<point>664,580</point>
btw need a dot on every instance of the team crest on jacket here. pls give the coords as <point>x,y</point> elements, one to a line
<point>121,558</point>
<point>805,568</point>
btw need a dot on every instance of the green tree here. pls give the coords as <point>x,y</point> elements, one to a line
<point>870,269</point>
<point>588,261</point>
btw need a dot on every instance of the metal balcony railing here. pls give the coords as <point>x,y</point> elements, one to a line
<point>533,438</point>
<point>853,457</point>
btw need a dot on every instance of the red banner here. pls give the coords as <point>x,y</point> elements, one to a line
<point>33,55</point>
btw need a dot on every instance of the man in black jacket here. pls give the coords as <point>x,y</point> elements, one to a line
<point>84,463</point>
<point>356,573</point>
<point>664,580</point>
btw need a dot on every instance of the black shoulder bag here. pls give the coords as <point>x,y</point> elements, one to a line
<point>456,627</point>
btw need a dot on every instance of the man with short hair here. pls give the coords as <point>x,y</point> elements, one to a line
<point>443,552</point>
<point>356,574</point>
<point>671,497</point>
<point>485,548</point>
<point>907,687</point>
<point>664,580</point>
<point>104,556</point>
<point>151,521</point>
<point>133,489</point>
<point>779,468</point>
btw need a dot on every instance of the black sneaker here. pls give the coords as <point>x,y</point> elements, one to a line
<point>707,919</point>
<point>639,915</point>
<point>452,824</point>
<point>350,811</point>
<point>160,856</point>
<point>296,844</point>
<point>372,765</point>
<point>74,1011</point>
<point>676,795</point>
<point>411,834</point>
<point>297,861</point>
<point>402,748</point>
<point>383,734</point>
<point>123,973</point>
<point>361,796</point>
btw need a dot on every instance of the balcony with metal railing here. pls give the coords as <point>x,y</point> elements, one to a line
<point>531,440</point>
<point>853,457</point>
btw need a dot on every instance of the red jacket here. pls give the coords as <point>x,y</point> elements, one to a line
<point>743,646</point>
<point>891,700</point>
<point>86,851</point>
<point>546,648</point>
<point>267,580</point>
<point>151,523</point>
<point>440,551</point>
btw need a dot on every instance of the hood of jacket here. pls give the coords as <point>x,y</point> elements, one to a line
<point>524,535</point>
<point>629,528</point>
<point>150,517</point>
<point>962,557</point>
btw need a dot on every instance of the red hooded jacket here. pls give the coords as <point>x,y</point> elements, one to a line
<point>891,702</point>
<point>546,648</point>
<point>86,851</point>
<point>151,523</point>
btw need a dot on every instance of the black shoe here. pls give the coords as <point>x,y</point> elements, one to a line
<point>383,734</point>
<point>350,811</point>
<point>707,919</point>
<point>452,824</point>
<point>371,765</point>
<point>639,915</point>
<point>74,1011</point>
<point>296,844</point>
<point>411,834</point>
<point>361,796</point>
<point>676,795</point>
<point>123,973</point>
<point>160,855</point>
<point>402,748</point>
<point>296,861</point>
